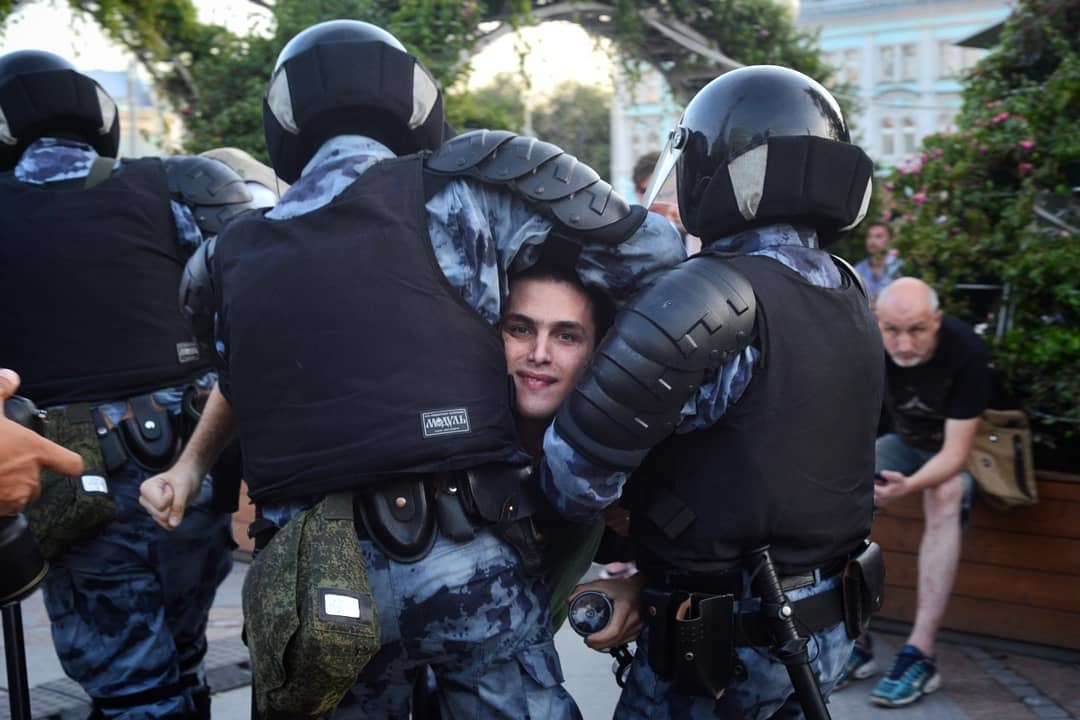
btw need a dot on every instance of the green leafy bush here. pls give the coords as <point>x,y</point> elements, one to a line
<point>997,202</point>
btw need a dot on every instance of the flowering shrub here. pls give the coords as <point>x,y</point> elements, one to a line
<point>997,202</point>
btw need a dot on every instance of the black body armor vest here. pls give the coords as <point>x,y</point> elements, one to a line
<point>790,464</point>
<point>350,356</point>
<point>88,280</point>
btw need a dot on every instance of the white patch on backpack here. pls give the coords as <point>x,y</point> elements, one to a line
<point>341,606</point>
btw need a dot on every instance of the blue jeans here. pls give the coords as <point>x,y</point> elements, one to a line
<point>471,613</point>
<point>766,693</point>
<point>129,608</point>
<point>892,453</point>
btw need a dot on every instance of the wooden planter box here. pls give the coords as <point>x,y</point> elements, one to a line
<point>1019,574</point>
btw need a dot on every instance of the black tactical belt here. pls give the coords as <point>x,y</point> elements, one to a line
<point>732,582</point>
<point>811,614</point>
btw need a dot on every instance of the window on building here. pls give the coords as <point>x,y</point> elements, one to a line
<point>909,62</point>
<point>946,122</point>
<point>850,66</point>
<point>888,137</point>
<point>886,64</point>
<point>954,61</point>
<point>908,134</point>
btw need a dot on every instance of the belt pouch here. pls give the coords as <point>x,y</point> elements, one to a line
<point>310,621</point>
<point>148,435</point>
<point>72,509</point>
<point>398,518</point>
<point>452,521</point>
<point>863,588</point>
<point>705,646</point>
<point>660,606</point>
<point>507,496</point>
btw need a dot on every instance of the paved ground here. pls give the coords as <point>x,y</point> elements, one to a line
<point>1004,682</point>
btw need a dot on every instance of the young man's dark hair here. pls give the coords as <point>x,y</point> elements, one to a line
<point>601,305</point>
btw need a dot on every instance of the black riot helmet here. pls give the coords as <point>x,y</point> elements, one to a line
<point>765,144</point>
<point>346,77</point>
<point>42,95</point>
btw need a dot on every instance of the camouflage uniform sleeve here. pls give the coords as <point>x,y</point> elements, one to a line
<point>577,488</point>
<point>477,233</point>
<point>188,235</point>
<point>625,268</point>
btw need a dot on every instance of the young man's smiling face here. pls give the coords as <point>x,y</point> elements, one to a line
<point>549,335</point>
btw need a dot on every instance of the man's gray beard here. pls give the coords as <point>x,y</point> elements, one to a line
<point>905,363</point>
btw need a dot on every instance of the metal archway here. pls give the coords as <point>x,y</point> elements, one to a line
<point>668,45</point>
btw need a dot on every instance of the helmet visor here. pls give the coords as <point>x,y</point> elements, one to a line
<point>665,164</point>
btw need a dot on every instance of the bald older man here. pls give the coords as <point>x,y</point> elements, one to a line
<point>938,380</point>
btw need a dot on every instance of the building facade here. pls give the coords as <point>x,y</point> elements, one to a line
<point>898,58</point>
<point>901,60</point>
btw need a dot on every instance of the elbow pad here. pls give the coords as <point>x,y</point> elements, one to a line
<point>197,298</point>
<point>695,318</point>
<point>212,190</point>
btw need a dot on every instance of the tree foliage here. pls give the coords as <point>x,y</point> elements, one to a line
<point>577,118</point>
<point>216,79</point>
<point>996,202</point>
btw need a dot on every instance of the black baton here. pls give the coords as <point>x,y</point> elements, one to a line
<point>790,649</point>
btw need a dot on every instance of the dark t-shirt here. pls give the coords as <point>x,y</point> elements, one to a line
<point>954,384</point>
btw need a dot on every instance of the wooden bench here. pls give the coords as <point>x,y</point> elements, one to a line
<point>1019,574</point>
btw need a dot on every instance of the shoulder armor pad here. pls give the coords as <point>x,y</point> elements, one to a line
<point>693,319</point>
<point>555,183</point>
<point>197,298</point>
<point>847,270</point>
<point>212,191</point>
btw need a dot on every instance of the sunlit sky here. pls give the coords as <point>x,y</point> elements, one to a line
<point>557,52</point>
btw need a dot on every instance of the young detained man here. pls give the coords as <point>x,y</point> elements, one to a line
<point>550,328</point>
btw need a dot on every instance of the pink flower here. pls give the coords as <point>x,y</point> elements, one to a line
<point>936,152</point>
<point>919,198</point>
<point>999,118</point>
<point>994,104</point>
<point>1026,144</point>
<point>1025,168</point>
<point>889,186</point>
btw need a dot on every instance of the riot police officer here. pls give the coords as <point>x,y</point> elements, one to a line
<point>93,249</point>
<point>742,390</point>
<point>357,323</point>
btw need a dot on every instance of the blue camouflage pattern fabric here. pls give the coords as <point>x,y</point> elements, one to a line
<point>468,610</point>
<point>580,489</point>
<point>470,613</point>
<point>129,608</point>
<point>765,694</point>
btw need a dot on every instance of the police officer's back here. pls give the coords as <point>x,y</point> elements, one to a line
<point>91,254</point>
<point>368,384</point>
<point>762,356</point>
